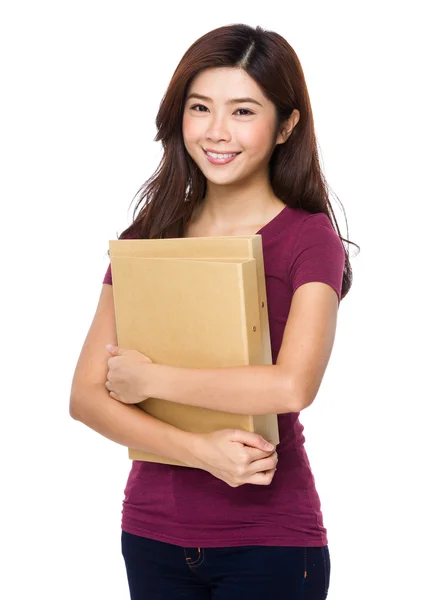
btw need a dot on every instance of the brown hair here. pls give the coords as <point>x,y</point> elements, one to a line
<point>177,186</point>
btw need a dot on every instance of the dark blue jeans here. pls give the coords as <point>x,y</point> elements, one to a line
<point>160,571</point>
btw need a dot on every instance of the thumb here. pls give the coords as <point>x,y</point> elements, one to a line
<point>251,439</point>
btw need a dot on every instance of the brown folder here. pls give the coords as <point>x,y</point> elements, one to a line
<point>193,302</point>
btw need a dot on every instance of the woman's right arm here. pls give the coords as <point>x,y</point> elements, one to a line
<point>128,425</point>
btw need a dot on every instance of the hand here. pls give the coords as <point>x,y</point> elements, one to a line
<point>236,457</point>
<point>125,374</point>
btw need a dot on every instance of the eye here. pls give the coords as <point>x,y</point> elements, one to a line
<point>246,111</point>
<point>202,106</point>
<point>198,106</point>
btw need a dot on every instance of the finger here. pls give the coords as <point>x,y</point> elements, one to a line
<point>263,478</point>
<point>250,439</point>
<point>254,454</point>
<point>264,464</point>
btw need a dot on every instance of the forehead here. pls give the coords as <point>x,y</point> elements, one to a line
<point>224,82</point>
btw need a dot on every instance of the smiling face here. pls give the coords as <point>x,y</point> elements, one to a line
<point>229,126</point>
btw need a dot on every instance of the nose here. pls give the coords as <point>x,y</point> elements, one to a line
<point>218,130</point>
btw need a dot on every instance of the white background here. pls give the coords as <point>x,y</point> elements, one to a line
<point>81,84</point>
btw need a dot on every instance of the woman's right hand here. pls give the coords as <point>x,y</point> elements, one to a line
<point>235,456</point>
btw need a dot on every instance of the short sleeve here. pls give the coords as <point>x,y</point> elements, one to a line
<point>107,277</point>
<point>317,255</point>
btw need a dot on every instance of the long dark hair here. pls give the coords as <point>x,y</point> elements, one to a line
<point>177,186</point>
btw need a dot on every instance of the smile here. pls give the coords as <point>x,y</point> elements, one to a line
<point>220,159</point>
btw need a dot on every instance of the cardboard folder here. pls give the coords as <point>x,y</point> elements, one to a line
<point>198,303</point>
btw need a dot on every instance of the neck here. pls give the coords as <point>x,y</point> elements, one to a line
<point>239,205</point>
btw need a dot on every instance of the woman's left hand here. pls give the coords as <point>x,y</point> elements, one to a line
<point>125,374</point>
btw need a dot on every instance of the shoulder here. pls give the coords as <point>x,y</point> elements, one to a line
<point>298,223</point>
<point>305,220</point>
<point>316,229</point>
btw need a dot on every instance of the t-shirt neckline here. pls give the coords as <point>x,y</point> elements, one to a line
<point>275,225</point>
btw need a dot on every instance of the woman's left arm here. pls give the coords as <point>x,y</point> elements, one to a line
<point>288,386</point>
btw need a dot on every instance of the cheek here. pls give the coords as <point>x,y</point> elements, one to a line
<point>190,130</point>
<point>257,138</point>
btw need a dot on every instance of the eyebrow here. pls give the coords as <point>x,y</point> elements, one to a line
<point>231,101</point>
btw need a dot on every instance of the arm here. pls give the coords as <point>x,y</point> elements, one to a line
<point>234,456</point>
<point>91,404</point>
<point>247,390</point>
<point>289,386</point>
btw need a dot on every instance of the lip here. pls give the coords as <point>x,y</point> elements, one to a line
<point>220,151</point>
<point>220,161</point>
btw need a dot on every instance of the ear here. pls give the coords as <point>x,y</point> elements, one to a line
<point>287,127</point>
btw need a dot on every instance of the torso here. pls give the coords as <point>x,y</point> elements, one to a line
<point>174,504</point>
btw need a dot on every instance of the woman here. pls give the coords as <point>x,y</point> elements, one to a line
<point>239,158</point>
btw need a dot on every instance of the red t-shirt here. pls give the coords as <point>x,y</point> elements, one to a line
<point>192,508</point>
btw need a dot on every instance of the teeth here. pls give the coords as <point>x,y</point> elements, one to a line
<point>213,155</point>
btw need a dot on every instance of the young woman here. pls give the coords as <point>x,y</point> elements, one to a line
<point>239,158</point>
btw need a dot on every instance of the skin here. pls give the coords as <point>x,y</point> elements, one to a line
<point>239,200</point>
<point>239,195</point>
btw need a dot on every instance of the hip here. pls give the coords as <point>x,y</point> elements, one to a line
<point>159,570</point>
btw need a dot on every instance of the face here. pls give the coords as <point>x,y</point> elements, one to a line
<point>229,126</point>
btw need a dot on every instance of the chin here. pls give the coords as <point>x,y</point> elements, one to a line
<point>222,180</point>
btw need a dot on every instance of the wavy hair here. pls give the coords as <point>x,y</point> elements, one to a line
<point>171,194</point>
